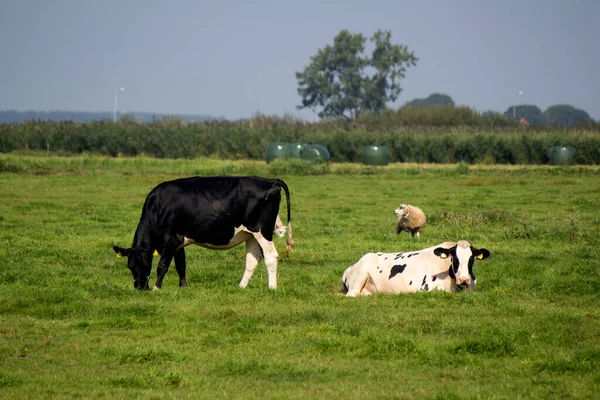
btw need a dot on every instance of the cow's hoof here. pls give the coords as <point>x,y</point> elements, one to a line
<point>155,288</point>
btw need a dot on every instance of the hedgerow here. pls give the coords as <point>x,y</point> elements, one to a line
<point>437,135</point>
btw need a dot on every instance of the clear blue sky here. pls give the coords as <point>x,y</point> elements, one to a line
<point>234,58</point>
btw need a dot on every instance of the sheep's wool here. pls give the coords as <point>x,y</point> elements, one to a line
<point>411,220</point>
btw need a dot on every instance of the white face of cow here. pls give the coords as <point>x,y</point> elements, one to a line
<point>463,256</point>
<point>464,276</point>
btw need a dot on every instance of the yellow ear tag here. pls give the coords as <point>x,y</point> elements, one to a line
<point>480,256</point>
<point>443,255</point>
<point>155,253</point>
<point>119,255</point>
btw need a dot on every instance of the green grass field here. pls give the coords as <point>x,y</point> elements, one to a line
<point>73,326</point>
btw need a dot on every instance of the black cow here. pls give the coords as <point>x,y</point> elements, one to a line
<point>212,212</point>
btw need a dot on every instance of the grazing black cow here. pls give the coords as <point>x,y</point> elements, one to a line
<point>213,212</point>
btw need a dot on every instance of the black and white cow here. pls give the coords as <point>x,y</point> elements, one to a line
<point>213,212</point>
<point>447,266</point>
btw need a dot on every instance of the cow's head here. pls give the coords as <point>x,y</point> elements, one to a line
<point>139,263</point>
<point>462,256</point>
<point>400,210</point>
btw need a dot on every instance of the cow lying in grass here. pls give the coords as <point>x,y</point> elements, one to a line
<point>447,266</point>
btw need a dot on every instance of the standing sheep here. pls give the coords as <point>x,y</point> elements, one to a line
<point>411,219</point>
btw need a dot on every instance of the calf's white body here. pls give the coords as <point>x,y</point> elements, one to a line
<point>447,266</point>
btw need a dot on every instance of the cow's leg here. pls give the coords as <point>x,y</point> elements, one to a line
<point>356,278</point>
<point>171,246</point>
<point>253,256</point>
<point>180,266</point>
<point>270,255</point>
<point>166,256</point>
<point>162,268</point>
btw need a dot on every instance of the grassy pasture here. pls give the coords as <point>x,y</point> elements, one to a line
<point>72,326</point>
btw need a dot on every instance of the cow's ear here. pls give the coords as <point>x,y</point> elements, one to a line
<point>441,252</point>
<point>481,254</point>
<point>121,252</point>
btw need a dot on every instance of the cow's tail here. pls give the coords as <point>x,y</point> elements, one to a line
<point>288,237</point>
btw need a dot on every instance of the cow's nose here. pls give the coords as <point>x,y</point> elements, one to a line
<point>464,281</point>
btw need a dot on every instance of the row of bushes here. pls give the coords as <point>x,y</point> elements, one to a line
<point>248,140</point>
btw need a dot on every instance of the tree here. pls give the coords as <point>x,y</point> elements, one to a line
<point>495,119</point>
<point>433,100</point>
<point>529,112</point>
<point>563,115</point>
<point>344,83</point>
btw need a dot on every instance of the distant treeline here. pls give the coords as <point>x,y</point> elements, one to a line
<point>12,116</point>
<point>555,115</point>
<point>432,135</point>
